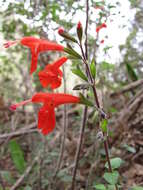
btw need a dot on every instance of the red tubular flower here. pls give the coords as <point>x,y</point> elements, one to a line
<point>46,115</point>
<point>100,27</point>
<point>36,46</point>
<point>52,75</point>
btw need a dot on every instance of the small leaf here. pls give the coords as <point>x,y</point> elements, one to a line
<point>99,187</point>
<point>84,100</point>
<point>72,52</point>
<point>107,66</point>
<point>79,73</point>
<point>17,156</point>
<point>67,36</point>
<point>81,87</point>
<point>132,74</point>
<point>115,163</point>
<point>104,124</point>
<point>137,188</point>
<point>129,148</point>
<point>93,68</point>
<point>28,188</point>
<point>111,187</point>
<point>111,178</point>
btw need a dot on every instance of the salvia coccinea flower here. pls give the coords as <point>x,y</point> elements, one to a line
<point>36,46</point>
<point>46,114</point>
<point>52,75</point>
<point>100,27</point>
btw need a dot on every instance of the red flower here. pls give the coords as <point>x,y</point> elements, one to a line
<point>100,27</point>
<point>37,46</point>
<point>46,115</point>
<point>52,75</point>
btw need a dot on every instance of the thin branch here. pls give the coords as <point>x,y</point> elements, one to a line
<point>79,146</point>
<point>86,28</point>
<point>128,87</point>
<point>85,57</point>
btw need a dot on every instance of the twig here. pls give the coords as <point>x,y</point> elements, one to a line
<point>128,87</point>
<point>26,173</point>
<point>79,146</point>
<point>86,28</point>
<point>85,57</point>
<point>25,130</point>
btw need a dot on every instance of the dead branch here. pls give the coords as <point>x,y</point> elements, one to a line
<point>129,87</point>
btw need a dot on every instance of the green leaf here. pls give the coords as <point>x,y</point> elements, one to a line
<point>111,178</point>
<point>104,124</point>
<point>107,48</point>
<point>99,187</point>
<point>72,52</point>
<point>17,156</point>
<point>7,176</point>
<point>79,73</point>
<point>131,72</point>
<point>67,36</point>
<point>115,163</point>
<point>111,187</point>
<point>129,148</point>
<point>28,188</point>
<point>93,68</point>
<point>82,87</point>
<point>107,66</point>
<point>84,100</point>
<point>137,188</point>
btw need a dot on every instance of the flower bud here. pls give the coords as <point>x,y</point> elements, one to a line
<point>79,30</point>
<point>65,35</point>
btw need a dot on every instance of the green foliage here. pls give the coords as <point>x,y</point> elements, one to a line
<point>131,72</point>
<point>82,87</point>
<point>72,53</point>
<point>104,124</point>
<point>85,101</point>
<point>107,66</point>
<point>115,163</point>
<point>64,176</point>
<point>111,178</point>
<point>137,188</point>
<point>93,68</point>
<point>99,187</point>
<point>79,73</point>
<point>17,156</point>
<point>129,148</point>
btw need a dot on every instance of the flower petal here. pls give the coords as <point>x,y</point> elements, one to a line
<point>46,120</point>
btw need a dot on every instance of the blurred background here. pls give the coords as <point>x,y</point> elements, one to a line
<point>119,81</point>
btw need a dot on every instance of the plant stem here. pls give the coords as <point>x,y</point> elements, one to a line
<point>98,105</point>
<point>79,146</point>
<point>86,27</point>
